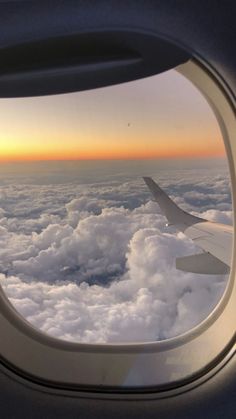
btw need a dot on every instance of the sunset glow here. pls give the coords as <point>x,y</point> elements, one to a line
<point>104,153</point>
<point>159,117</point>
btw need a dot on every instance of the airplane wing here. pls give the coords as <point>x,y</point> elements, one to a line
<point>213,238</point>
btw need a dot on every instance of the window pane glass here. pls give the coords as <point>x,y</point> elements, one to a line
<point>86,254</point>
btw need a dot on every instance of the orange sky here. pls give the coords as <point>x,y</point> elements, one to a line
<point>81,153</point>
<point>159,117</point>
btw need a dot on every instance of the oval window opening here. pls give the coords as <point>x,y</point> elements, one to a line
<point>87,254</point>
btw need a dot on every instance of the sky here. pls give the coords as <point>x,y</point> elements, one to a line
<point>163,116</point>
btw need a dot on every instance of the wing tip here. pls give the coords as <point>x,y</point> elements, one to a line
<point>147,178</point>
<point>149,181</point>
<point>153,187</point>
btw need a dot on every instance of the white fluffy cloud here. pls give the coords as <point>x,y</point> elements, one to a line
<point>95,262</point>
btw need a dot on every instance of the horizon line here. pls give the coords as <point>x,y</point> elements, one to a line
<point>184,157</point>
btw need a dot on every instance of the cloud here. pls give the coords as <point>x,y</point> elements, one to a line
<point>149,301</point>
<point>95,262</point>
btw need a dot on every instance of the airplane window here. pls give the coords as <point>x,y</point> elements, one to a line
<point>115,211</point>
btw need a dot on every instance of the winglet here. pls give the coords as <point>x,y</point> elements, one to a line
<point>173,213</point>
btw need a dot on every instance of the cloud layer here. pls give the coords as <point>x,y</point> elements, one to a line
<point>94,262</point>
